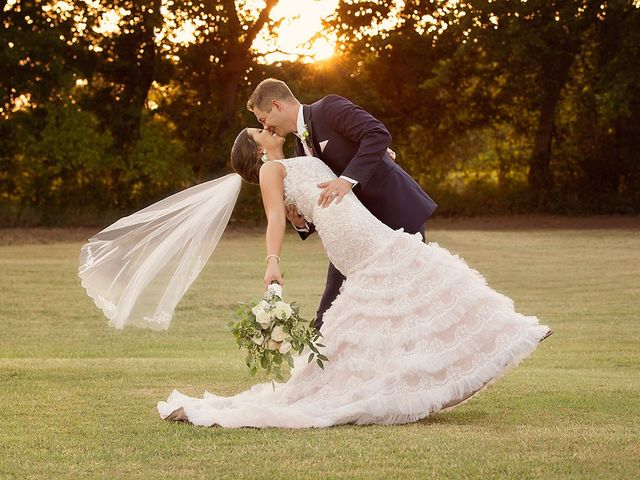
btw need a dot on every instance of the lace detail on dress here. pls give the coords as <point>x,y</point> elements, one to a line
<point>349,232</point>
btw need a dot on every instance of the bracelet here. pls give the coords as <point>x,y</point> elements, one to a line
<point>272,255</point>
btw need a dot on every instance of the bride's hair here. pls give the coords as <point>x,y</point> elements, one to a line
<point>245,159</point>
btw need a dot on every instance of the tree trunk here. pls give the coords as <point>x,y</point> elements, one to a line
<point>230,86</point>
<point>141,53</point>
<point>540,178</point>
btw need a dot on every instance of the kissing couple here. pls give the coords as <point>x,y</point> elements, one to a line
<point>409,328</point>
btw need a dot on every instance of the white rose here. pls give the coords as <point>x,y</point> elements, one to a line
<point>278,333</point>
<point>285,347</point>
<point>273,345</point>
<point>262,306</point>
<point>263,318</point>
<point>275,289</point>
<point>283,310</point>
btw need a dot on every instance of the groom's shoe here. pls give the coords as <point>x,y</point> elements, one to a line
<point>546,335</point>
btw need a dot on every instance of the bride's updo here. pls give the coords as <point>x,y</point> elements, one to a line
<point>245,159</point>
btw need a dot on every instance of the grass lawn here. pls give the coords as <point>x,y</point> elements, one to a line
<point>78,399</point>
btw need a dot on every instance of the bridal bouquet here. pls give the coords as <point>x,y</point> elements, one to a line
<point>270,330</point>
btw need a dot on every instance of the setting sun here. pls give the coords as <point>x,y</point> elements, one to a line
<point>322,49</point>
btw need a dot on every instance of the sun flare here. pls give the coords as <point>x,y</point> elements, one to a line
<point>322,49</point>
<point>299,35</point>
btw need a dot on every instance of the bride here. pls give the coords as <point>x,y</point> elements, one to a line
<point>413,331</point>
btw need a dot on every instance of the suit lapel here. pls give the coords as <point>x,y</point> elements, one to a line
<point>299,149</point>
<point>306,115</point>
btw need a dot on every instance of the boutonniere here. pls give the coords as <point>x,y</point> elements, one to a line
<point>306,135</point>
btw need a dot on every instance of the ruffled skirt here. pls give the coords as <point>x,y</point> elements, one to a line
<point>414,330</point>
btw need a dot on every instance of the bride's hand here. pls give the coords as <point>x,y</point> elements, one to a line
<point>272,273</point>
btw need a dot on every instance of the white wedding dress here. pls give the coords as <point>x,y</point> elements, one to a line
<point>413,329</point>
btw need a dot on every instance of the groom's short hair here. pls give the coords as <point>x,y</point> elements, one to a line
<point>268,90</point>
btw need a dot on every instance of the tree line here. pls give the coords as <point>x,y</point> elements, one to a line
<point>494,107</point>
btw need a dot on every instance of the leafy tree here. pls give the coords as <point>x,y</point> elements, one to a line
<point>126,68</point>
<point>41,52</point>
<point>59,168</point>
<point>493,106</point>
<point>212,73</point>
<point>453,69</point>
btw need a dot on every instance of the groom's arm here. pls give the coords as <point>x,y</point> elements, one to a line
<point>360,127</point>
<point>299,223</point>
<point>306,231</point>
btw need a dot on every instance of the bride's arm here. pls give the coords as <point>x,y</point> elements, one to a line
<point>272,190</point>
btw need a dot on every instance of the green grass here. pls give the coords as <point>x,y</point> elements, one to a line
<point>78,398</point>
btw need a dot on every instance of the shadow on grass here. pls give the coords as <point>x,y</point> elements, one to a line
<point>459,416</point>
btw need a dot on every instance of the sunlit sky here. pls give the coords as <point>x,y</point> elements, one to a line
<point>301,21</point>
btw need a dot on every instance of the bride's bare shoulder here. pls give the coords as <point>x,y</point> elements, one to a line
<point>272,170</point>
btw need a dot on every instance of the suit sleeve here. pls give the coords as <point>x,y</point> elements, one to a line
<point>360,127</point>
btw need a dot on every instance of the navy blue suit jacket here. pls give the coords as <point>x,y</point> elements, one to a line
<point>356,146</point>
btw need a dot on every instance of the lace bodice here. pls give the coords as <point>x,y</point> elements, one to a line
<point>349,232</point>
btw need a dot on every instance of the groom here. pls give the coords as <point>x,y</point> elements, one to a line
<point>354,145</point>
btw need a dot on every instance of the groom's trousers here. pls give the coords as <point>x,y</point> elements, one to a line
<point>332,289</point>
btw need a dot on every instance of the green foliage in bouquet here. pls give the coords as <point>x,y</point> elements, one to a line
<point>271,330</point>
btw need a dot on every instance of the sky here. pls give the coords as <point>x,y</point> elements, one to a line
<point>301,20</point>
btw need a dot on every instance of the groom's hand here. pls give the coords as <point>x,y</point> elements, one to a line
<point>295,217</point>
<point>392,154</point>
<point>333,190</point>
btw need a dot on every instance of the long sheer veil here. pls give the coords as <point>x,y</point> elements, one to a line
<point>137,269</point>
